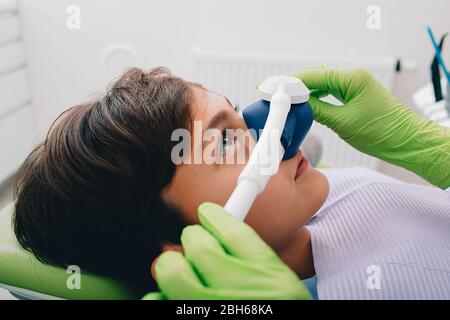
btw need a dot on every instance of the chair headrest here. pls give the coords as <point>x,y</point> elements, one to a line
<point>20,269</point>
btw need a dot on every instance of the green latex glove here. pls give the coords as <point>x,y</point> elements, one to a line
<point>374,122</point>
<point>224,259</point>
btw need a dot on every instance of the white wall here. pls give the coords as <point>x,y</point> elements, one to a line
<point>64,64</point>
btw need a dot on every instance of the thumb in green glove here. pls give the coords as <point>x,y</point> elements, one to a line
<point>376,123</point>
<point>224,259</point>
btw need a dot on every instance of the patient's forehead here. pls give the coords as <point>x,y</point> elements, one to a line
<point>206,104</point>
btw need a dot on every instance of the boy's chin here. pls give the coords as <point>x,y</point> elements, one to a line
<point>318,187</point>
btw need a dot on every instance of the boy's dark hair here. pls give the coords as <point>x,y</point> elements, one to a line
<point>90,194</point>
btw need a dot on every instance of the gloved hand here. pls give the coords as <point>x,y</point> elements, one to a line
<point>230,261</point>
<point>376,123</point>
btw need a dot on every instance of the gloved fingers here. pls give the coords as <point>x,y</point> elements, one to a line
<point>216,267</point>
<point>236,279</point>
<point>324,112</point>
<point>227,278</point>
<point>257,293</point>
<point>334,81</point>
<point>238,238</point>
<point>315,78</point>
<point>154,296</point>
<point>318,93</point>
<point>176,278</point>
<point>203,251</point>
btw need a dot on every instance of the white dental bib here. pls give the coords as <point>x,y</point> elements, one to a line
<point>379,238</point>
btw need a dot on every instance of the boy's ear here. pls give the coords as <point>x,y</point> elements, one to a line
<point>173,247</point>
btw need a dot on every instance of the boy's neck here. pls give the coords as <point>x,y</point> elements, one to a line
<point>297,254</point>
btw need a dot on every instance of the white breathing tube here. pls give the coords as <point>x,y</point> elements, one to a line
<point>281,91</point>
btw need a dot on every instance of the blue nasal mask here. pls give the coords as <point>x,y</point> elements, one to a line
<point>285,117</point>
<point>298,123</point>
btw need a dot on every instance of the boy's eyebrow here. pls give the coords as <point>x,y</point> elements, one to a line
<point>218,118</point>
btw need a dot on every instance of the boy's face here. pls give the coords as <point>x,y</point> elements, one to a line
<point>288,201</point>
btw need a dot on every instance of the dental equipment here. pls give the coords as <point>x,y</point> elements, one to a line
<point>438,54</point>
<point>441,62</point>
<point>286,117</point>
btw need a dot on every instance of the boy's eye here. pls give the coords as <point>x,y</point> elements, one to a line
<point>227,142</point>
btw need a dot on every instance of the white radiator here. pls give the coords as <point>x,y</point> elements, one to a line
<point>16,118</point>
<point>236,75</point>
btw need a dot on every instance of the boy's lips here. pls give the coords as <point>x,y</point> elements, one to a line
<point>302,164</point>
